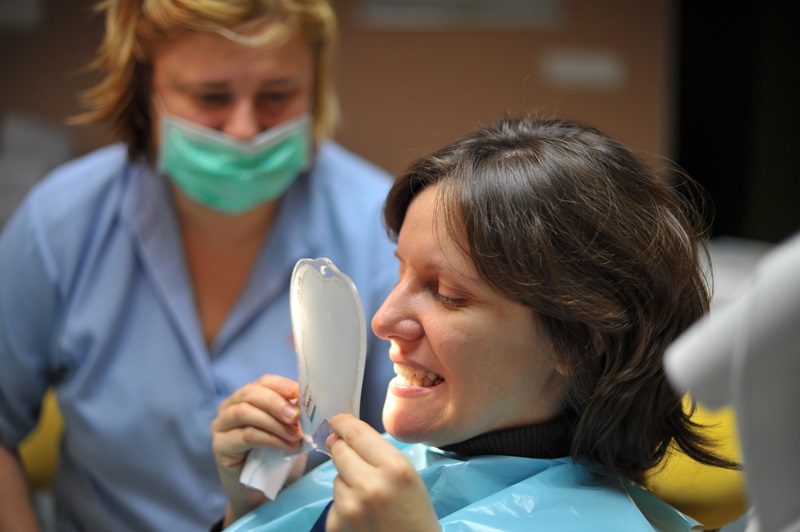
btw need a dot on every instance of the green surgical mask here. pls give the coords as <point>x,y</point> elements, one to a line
<point>229,175</point>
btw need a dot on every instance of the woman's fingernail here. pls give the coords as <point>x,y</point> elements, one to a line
<point>290,413</point>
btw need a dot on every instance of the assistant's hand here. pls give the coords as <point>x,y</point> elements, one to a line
<point>259,414</point>
<point>377,487</point>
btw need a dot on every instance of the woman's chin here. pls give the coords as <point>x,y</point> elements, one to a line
<point>405,425</point>
<point>407,436</point>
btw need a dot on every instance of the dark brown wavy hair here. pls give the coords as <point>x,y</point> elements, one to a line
<point>572,224</point>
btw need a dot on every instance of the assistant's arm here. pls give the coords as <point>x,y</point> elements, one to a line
<point>26,307</point>
<point>16,512</point>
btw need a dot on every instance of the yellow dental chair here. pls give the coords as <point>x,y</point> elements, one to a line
<point>713,496</point>
<point>39,451</point>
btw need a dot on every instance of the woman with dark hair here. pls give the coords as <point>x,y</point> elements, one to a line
<point>544,269</point>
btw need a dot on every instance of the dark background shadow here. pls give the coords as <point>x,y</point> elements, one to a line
<point>738,123</point>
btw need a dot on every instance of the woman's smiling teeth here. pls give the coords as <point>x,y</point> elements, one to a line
<point>408,376</point>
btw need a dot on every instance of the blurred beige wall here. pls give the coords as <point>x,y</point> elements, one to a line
<point>406,92</point>
<point>43,68</point>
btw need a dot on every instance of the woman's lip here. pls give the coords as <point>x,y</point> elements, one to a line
<point>397,359</point>
<point>407,391</point>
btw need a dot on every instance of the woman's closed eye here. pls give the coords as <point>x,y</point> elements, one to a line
<point>448,301</point>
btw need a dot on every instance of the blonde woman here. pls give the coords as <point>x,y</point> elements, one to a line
<point>148,280</point>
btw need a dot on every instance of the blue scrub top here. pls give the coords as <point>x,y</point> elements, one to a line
<point>96,301</point>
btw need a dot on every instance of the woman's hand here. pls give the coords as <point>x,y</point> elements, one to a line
<point>377,487</point>
<point>260,414</point>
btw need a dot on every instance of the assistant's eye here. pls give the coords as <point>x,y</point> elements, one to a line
<point>276,102</point>
<point>277,96</point>
<point>213,99</point>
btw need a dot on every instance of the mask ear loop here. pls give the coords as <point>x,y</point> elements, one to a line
<point>162,115</point>
<point>159,106</point>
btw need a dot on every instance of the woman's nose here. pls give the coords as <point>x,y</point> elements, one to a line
<point>242,123</point>
<point>396,319</point>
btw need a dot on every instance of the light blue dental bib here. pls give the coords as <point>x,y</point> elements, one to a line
<point>491,493</point>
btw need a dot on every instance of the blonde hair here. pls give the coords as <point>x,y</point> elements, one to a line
<point>134,27</point>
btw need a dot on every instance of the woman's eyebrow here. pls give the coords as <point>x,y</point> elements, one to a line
<point>284,81</point>
<point>460,274</point>
<point>200,84</point>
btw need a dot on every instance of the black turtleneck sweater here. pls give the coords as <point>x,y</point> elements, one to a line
<point>545,440</point>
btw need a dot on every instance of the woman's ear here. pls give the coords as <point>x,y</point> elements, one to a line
<point>598,343</point>
<point>594,350</point>
<point>563,368</point>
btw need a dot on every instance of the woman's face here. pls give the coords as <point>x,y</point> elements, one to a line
<point>212,81</point>
<point>468,360</point>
